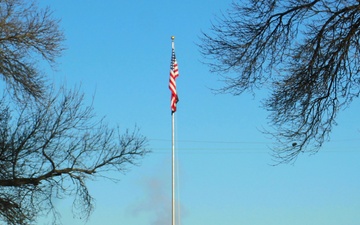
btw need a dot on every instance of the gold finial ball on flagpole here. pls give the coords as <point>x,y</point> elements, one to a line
<point>172,37</point>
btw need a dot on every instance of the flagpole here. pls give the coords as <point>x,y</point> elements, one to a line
<point>173,167</point>
<point>174,99</point>
<point>173,155</point>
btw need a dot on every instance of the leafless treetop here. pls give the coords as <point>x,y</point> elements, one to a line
<point>27,35</point>
<point>306,51</point>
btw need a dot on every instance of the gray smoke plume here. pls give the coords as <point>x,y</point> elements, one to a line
<point>156,201</point>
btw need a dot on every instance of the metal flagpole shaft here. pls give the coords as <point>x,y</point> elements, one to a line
<point>173,167</point>
<point>174,99</point>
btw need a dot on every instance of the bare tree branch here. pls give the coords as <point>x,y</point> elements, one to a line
<point>27,35</point>
<point>307,51</point>
<point>56,148</point>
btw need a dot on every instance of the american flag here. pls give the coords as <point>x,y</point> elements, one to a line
<point>174,73</point>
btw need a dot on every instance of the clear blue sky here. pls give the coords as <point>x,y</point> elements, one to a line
<point>120,52</point>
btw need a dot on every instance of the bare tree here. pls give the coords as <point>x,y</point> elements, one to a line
<point>305,51</point>
<point>27,35</point>
<point>50,146</point>
<point>50,150</point>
